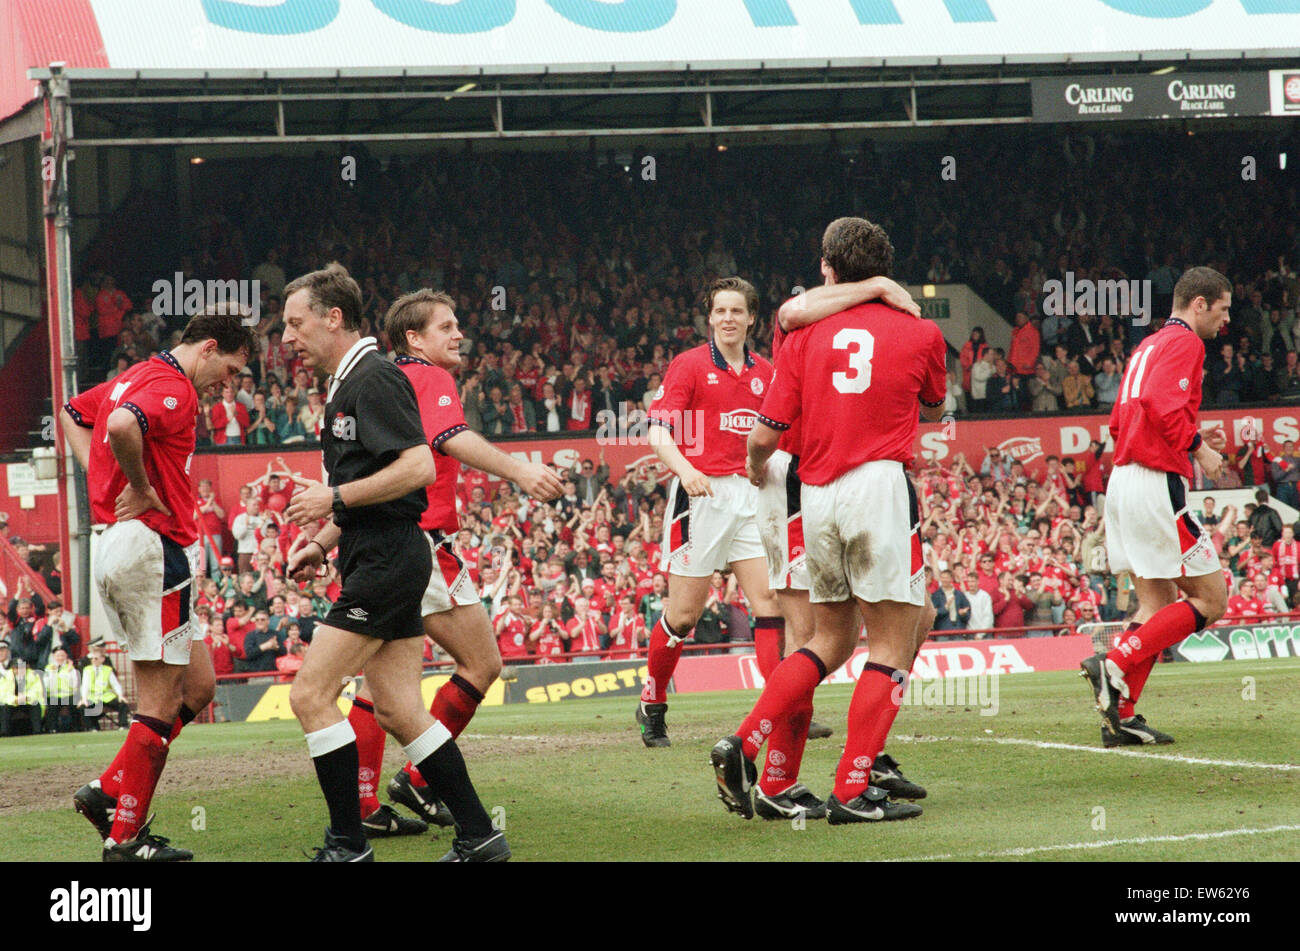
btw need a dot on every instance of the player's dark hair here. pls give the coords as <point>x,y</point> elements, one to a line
<point>226,322</point>
<point>1200,282</point>
<point>738,284</point>
<point>855,250</point>
<point>413,311</point>
<point>332,286</point>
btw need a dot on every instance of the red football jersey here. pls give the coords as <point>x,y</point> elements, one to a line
<point>583,635</point>
<point>1265,580</point>
<point>1154,420</point>
<point>1287,558</point>
<point>512,641</point>
<point>1239,606</point>
<point>547,645</point>
<point>858,403</point>
<point>790,438</point>
<point>165,404</point>
<point>443,417</point>
<point>710,408</point>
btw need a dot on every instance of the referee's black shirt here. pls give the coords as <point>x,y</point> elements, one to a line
<point>371,416</point>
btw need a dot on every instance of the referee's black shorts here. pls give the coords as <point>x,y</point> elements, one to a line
<point>385,568</point>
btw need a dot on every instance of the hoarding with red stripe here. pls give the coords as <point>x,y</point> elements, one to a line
<point>936,660</point>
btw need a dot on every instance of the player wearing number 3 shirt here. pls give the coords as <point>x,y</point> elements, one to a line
<point>1150,531</point>
<point>855,380</point>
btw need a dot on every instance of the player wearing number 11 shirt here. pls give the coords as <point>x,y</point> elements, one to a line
<point>1150,530</point>
<point>854,380</point>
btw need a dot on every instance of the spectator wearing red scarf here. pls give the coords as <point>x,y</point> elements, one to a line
<point>585,629</point>
<point>522,418</point>
<point>579,405</point>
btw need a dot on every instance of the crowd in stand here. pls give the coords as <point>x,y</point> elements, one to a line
<point>1005,549</point>
<point>575,576</point>
<point>577,279</point>
<point>577,282</point>
<point>42,688</point>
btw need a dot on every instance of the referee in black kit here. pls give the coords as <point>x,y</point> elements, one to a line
<point>378,463</point>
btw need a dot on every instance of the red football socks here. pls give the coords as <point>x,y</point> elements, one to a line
<point>111,780</point>
<point>370,753</point>
<point>875,704</point>
<point>143,756</point>
<point>788,690</point>
<point>785,750</point>
<point>1136,678</point>
<point>453,706</point>
<point>769,633</point>
<point>662,662</point>
<point>1167,627</point>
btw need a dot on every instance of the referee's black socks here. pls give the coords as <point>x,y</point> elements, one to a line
<point>437,757</point>
<point>334,754</point>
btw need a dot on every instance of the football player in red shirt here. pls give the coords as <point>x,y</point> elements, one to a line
<point>708,404</point>
<point>1150,530</point>
<point>134,436</point>
<point>861,515</point>
<point>779,796</point>
<point>422,328</point>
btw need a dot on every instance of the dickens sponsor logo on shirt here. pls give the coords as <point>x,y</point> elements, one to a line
<point>345,427</point>
<point>738,421</point>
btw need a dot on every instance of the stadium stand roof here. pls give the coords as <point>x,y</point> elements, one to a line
<point>157,72</point>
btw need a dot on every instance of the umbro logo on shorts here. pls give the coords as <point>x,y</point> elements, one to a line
<point>358,614</point>
<point>345,427</point>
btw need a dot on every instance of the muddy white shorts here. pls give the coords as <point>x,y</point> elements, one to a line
<point>707,533</point>
<point>863,539</point>
<point>780,524</point>
<point>449,583</point>
<point>1149,529</point>
<point>146,583</point>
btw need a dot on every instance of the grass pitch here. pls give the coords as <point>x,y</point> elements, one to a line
<point>572,782</point>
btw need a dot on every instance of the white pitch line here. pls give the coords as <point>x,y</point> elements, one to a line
<point>1044,745</point>
<point>1103,844</point>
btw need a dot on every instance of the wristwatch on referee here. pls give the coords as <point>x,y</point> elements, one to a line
<point>338,501</point>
